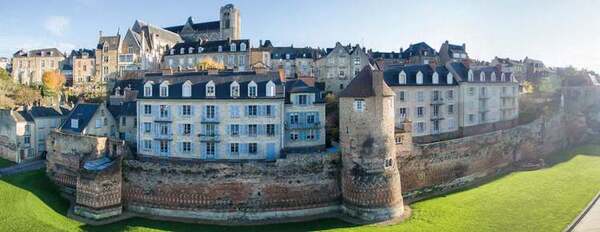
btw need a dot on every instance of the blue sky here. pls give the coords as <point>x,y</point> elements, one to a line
<point>558,32</point>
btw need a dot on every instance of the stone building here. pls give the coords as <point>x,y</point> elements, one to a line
<point>227,27</point>
<point>295,62</point>
<point>488,97</point>
<point>233,54</point>
<point>107,58</point>
<point>386,59</point>
<point>304,117</point>
<point>340,65</point>
<point>453,53</point>
<point>370,179</point>
<point>125,115</point>
<point>419,53</point>
<point>507,65</point>
<point>4,63</point>
<point>46,119</point>
<point>84,66</point>
<point>260,57</point>
<point>90,119</point>
<point>144,46</point>
<point>30,66</point>
<point>428,96</point>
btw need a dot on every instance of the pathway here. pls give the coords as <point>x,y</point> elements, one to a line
<point>23,167</point>
<point>589,220</point>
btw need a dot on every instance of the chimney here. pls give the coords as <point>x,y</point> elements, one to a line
<point>433,64</point>
<point>100,33</point>
<point>260,44</point>
<point>377,81</point>
<point>464,46</point>
<point>401,50</point>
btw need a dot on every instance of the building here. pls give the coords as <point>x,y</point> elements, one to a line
<point>30,66</point>
<point>233,54</point>
<point>533,66</point>
<point>304,117</point>
<point>386,59</point>
<point>84,67</point>
<point>340,65</point>
<point>488,97</point>
<point>107,58</point>
<point>90,119</point>
<point>453,53</point>
<point>507,65</point>
<point>144,45</point>
<point>419,53</point>
<point>426,95</point>
<point>4,63</point>
<point>295,62</point>
<point>17,136</point>
<point>125,115</point>
<point>227,27</point>
<point>45,120</point>
<point>370,179</point>
<point>260,57</point>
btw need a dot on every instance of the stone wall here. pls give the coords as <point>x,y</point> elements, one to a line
<point>299,186</point>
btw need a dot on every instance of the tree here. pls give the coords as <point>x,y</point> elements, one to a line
<point>209,64</point>
<point>53,82</point>
<point>4,75</point>
<point>25,95</point>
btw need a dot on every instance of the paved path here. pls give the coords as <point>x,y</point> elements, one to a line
<point>23,167</point>
<point>590,221</point>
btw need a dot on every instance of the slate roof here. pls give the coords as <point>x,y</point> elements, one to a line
<point>209,46</point>
<point>38,52</point>
<point>205,26</point>
<point>83,113</point>
<point>386,55</point>
<point>222,83</point>
<point>418,49</point>
<point>125,109</point>
<point>461,73</point>
<point>363,85</point>
<point>42,111</point>
<point>22,116</point>
<point>391,75</point>
<point>301,86</point>
<point>112,41</point>
<point>282,52</point>
<point>79,53</point>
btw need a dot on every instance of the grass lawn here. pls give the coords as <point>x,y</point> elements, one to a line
<point>542,200</point>
<point>5,163</point>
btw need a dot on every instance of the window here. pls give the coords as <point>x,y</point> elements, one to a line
<point>471,91</point>
<point>164,146</point>
<point>186,110</point>
<point>270,129</point>
<point>210,149</point>
<point>419,78</point>
<point>450,94</point>
<point>148,89</point>
<point>269,110</point>
<point>270,89</point>
<point>220,48</point>
<point>242,47</point>
<point>234,111</point>
<point>435,78</point>
<point>26,140</point>
<point>294,118</point>
<point>252,110</point>
<point>187,129</point>
<point>302,99</point>
<point>105,58</point>
<point>342,74</point>
<point>187,89</point>
<point>449,79</point>
<point>420,111</point>
<point>252,148</point>
<point>470,75</point>
<point>234,148</point>
<point>471,118</point>
<point>147,144</point>
<point>293,136</point>
<point>182,51</point>
<point>311,135</point>
<point>164,129</point>
<point>402,112</point>
<point>398,140</point>
<point>235,89</point>
<point>164,111</point>
<point>359,105</point>
<point>99,123</point>
<point>252,130</point>
<point>420,96</point>
<point>200,49</point>
<point>436,126</point>
<point>147,109</point>
<point>252,89</point>
<point>186,147</point>
<point>164,89</point>
<point>231,60</point>
<point>209,111</point>
<point>210,89</point>
<point>402,96</point>
<point>210,130</point>
<point>420,127</point>
<point>450,109</point>
<point>482,76</point>
<point>341,86</point>
<point>356,60</point>
<point>147,127</point>
<point>232,47</point>
<point>436,96</point>
<point>123,121</point>
<point>234,130</point>
<point>74,123</point>
<point>310,119</point>
<point>436,110</point>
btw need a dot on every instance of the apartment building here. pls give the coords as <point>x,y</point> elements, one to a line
<point>304,117</point>
<point>233,54</point>
<point>84,66</point>
<point>28,67</point>
<point>340,65</point>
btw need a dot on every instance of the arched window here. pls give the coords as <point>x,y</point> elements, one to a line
<point>252,89</point>
<point>470,75</point>
<point>210,89</point>
<point>200,49</point>
<point>234,89</point>
<point>435,78</point>
<point>148,89</point>
<point>186,89</point>
<point>242,47</point>
<point>482,76</point>
<point>172,52</point>
<point>402,78</point>
<point>232,47</point>
<point>182,51</point>
<point>419,78</point>
<point>220,48</point>
<point>164,89</point>
<point>270,89</point>
<point>190,50</point>
<point>449,78</point>
<point>493,76</point>
<point>502,77</point>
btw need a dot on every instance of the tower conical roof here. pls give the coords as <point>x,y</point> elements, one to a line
<point>368,83</point>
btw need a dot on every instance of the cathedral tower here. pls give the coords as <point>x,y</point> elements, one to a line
<point>230,22</point>
<point>370,178</point>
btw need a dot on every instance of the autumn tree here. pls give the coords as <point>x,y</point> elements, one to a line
<point>25,95</point>
<point>4,75</point>
<point>209,64</point>
<point>53,82</point>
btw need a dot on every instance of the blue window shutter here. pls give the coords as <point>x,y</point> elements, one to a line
<point>155,110</point>
<point>192,129</point>
<point>192,110</point>
<point>155,147</point>
<point>180,129</point>
<point>246,110</point>
<point>231,113</point>
<point>243,148</point>
<point>302,118</point>
<point>216,150</point>
<point>318,134</point>
<point>260,129</point>
<point>228,129</point>
<point>192,148</point>
<point>302,135</point>
<point>243,129</point>
<point>179,147</point>
<point>202,150</point>
<point>288,118</point>
<point>203,129</point>
<point>217,112</point>
<point>262,110</point>
<point>179,110</point>
<point>274,110</point>
<point>276,129</point>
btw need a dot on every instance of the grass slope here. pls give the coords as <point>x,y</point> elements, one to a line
<point>5,163</point>
<point>542,200</point>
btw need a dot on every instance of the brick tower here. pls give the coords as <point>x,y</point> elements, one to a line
<point>370,178</point>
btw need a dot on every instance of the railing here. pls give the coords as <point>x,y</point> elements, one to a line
<point>437,117</point>
<point>437,101</point>
<point>161,136</point>
<point>483,96</point>
<point>209,137</point>
<point>210,120</point>
<point>163,117</point>
<point>314,125</point>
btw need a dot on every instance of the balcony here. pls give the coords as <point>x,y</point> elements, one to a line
<point>163,118</point>
<point>483,96</point>
<point>160,136</point>
<point>315,125</point>
<point>437,101</point>
<point>209,137</point>
<point>210,119</point>
<point>437,117</point>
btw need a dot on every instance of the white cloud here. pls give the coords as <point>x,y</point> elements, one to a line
<point>57,25</point>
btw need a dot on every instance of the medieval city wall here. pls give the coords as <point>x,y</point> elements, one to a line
<point>294,188</point>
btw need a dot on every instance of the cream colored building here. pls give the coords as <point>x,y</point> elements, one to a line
<point>30,66</point>
<point>84,67</point>
<point>92,119</point>
<point>107,58</point>
<point>340,65</point>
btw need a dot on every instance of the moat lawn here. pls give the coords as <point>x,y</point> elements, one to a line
<point>542,200</point>
<point>5,163</point>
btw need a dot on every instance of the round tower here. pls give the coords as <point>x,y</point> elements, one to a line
<point>230,22</point>
<point>370,178</point>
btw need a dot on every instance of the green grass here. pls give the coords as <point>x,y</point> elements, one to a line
<point>542,200</point>
<point>5,163</point>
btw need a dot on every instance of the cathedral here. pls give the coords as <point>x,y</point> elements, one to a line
<point>228,27</point>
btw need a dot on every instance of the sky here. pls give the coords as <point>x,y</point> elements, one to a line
<point>560,33</point>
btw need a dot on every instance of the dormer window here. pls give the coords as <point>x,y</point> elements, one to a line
<point>419,78</point>
<point>242,47</point>
<point>234,89</point>
<point>148,89</point>
<point>287,56</point>
<point>252,89</point>
<point>402,78</point>
<point>210,89</point>
<point>470,75</point>
<point>493,76</point>
<point>482,76</point>
<point>164,89</point>
<point>190,50</point>
<point>435,78</point>
<point>74,123</point>
<point>172,52</point>
<point>232,47</point>
<point>270,89</point>
<point>502,77</point>
<point>186,89</point>
<point>200,49</point>
<point>182,51</point>
<point>449,78</point>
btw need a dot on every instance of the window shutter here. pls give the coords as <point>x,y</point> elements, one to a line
<point>261,129</point>
<point>156,147</point>
<point>274,110</point>
<point>228,149</point>
<point>154,110</point>
<point>243,148</point>
<point>192,129</point>
<point>276,129</point>
<point>231,113</point>
<point>318,134</point>
<point>217,112</point>
<point>192,148</point>
<point>180,129</point>
<point>180,110</point>
<point>228,130</point>
<point>203,129</point>
<point>202,150</point>
<point>302,118</point>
